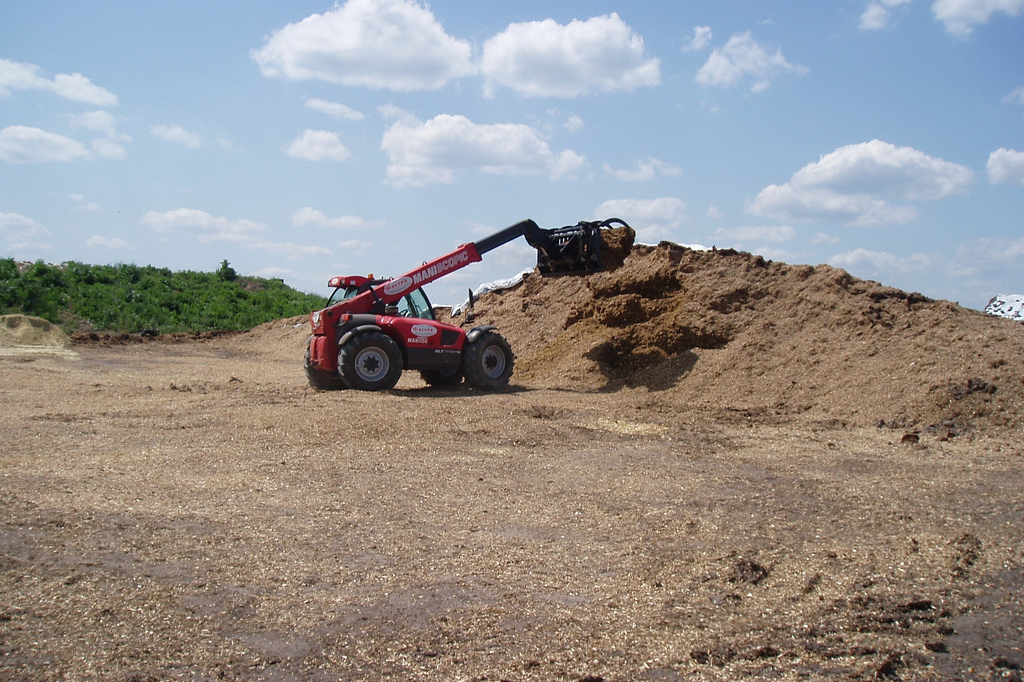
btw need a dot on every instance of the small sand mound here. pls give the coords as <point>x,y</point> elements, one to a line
<point>24,330</point>
<point>286,337</point>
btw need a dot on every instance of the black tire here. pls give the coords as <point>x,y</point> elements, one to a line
<point>318,378</point>
<point>442,377</point>
<point>487,361</point>
<point>370,361</point>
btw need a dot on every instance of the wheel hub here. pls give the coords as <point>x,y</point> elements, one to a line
<point>493,362</point>
<point>371,364</point>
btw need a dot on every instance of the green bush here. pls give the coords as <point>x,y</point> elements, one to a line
<point>131,298</point>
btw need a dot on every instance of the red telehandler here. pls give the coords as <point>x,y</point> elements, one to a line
<point>373,329</point>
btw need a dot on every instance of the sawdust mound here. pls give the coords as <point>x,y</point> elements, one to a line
<point>25,330</point>
<point>739,335</point>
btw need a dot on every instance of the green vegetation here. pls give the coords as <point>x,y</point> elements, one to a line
<point>130,298</point>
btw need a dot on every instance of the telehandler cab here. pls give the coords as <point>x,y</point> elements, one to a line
<point>373,329</point>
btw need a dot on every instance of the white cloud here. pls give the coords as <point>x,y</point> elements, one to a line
<point>274,272</point>
<point>574,124</point>
<point>877,14</point>
<point>317,145</point>
<point>206,227</point>
<point>761,234</point>
<point>100,121</point>
<point>701,39</point>
<point>23,235</point>
<point>308,216</point>
<point>743,58</point>
<point>394,44</point>
<point>74,86</point>
<point>291,251</point>
<point>547,59</point>
<point>104,122</point>
<point>961,16</point>
<point>1006,166</point>
<point>653,219</point>
<point>355,246</point>
<point>987,267</point>
<point>22,144</point>
<point>214,229</point>
<point>108,149</point>
<point>785,202</point>
<point>334,109</point>
<point>875,17</point>
<point>881,168</point>
<point>101,242</point>
<point>772,254</point>
<point>978,255</point>
<point>645,170</point>
<point>81,204</point>
<point>177,134</point>
<point>78,88</point>
<point>430,153</point>
<point>20,76</point>
<point>714,212</point>
<point>391,111</point>
<point>854,185</point>
<point>567,164</point>
<point>824,238</point>
<point>17,226</point>
<point>668,209</point>
<point>1016,96</point>
<point>876,263</point>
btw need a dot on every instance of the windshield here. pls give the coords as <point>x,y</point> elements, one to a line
<point>342,294</point>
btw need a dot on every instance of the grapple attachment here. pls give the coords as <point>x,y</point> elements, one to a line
<point>582,248</point>
<point>572,250</point>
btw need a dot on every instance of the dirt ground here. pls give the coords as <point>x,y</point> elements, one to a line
<point>707,467</point>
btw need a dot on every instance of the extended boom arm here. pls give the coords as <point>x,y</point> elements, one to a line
<point>572,250</point>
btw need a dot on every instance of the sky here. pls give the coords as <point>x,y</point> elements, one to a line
<point>302,140</point>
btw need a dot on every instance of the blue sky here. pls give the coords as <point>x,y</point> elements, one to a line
<point>302,140</point>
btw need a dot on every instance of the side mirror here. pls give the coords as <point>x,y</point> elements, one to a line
<point>469,308</point>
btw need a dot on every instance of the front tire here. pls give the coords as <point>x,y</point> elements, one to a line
<point>370,361</point>
<point>487,361</point>
<point>318,378</point>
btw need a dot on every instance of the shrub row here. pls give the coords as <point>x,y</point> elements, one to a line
<point>131,298</point>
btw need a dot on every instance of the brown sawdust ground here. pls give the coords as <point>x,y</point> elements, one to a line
<point>708,466</point>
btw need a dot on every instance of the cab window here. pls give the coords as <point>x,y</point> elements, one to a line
<point>415,304</point>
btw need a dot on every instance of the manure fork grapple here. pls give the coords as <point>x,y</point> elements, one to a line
<point>374,329</point>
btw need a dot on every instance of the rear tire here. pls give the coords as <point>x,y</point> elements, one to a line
<point>487,361</point>
<point>370,361</point>
<point>318,378</point>
<point>442,377</point>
